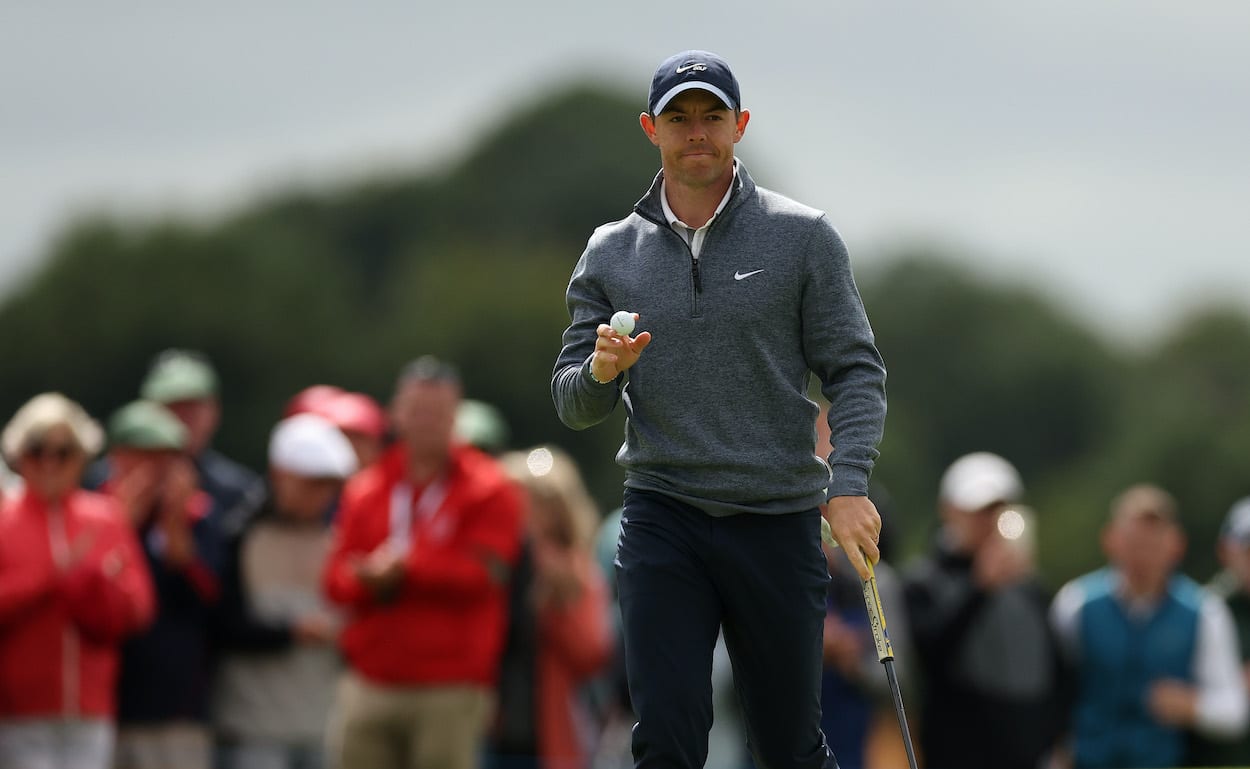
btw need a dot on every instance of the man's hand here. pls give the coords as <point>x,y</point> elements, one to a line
<point>616,353</point>
<point>1173,703</point>
<point>315,628</point>
<point>381,572</point>
<point>856,526</point>
<point>137,491</point>
<point>843,647</point>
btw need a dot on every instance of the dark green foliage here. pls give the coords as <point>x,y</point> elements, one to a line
<point>343,285</point>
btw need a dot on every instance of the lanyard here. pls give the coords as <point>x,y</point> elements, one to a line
<point>404,511</point>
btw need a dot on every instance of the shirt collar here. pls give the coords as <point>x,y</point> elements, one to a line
<point>671,217</point>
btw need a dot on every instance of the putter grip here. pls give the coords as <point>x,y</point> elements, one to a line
<point>876,617</point>
<point>872,600</point>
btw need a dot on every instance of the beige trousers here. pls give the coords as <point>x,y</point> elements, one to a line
<point>402,727</point>
<point>179,745</point>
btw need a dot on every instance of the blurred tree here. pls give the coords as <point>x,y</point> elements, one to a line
<point>980,367</point>
<point>342,285</point>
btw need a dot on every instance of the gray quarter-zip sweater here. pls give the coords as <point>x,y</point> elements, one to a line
<point>717,413</point>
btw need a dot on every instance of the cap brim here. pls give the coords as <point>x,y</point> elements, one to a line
<point>663,101</point>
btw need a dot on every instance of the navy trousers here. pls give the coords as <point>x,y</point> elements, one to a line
<point>682,575</point>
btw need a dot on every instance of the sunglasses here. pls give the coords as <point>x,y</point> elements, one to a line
<point>41,451</point>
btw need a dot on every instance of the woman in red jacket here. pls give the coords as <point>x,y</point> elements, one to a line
<point>73,585</point>
<point>559,630</point>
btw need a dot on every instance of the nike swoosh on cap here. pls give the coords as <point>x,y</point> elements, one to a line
<point>698,66</point>
<point>741,275</point>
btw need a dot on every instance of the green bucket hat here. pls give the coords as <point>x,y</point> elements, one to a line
<point>146,425</point>
<point>179,375</point>
<point>481,425</point>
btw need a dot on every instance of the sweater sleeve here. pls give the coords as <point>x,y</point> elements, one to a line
<point>840,349</point>
<point>580,401</point>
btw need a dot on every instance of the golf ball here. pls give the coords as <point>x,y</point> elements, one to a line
<point>622,322</point>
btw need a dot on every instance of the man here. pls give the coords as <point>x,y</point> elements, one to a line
<point>993,694</point>
<point>163,689</point>
<point>426,541</point>
<point>186,383</point>
<point>274,685</point>
<point>744,294</point>
<point>1156,655</point>
<point>1232,585</point>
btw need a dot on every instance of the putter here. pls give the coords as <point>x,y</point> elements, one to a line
<point>881,638</point>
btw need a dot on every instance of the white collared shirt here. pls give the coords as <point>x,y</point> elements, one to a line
<point>693,236</point>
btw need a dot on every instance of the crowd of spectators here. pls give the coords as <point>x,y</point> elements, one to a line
<point>399,589</point>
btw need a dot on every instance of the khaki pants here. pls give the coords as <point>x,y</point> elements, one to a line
<point>178,745</point>
<point>402,727</point>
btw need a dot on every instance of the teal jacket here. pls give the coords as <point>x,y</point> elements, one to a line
<point>1121,657</point>
<point>717,412</point>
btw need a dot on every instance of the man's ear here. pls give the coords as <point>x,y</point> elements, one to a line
<point>744,117</point>
<point>648,127</point>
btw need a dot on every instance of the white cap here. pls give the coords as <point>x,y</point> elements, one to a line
<point>311,446</point>
<point>976,481</point>
<point>1237,525</point>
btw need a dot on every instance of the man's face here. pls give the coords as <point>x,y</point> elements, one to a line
<point>1146,547</point>
<point>424,413</point>
<point>696,134</point>
<point>201,417</point>
<point>969,531</point>
<point>300,498</point>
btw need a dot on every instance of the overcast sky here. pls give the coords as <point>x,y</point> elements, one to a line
<point>1095,149</point>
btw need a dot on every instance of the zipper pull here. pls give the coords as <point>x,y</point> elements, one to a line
<point>694,272</point>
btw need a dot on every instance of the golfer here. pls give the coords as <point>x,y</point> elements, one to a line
<point>741,293</point>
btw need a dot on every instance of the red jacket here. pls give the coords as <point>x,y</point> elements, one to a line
<point>448,622</point>
<point>60,628</point>
<point>575,643</point>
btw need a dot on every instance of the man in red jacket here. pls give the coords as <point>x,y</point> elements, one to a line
<point>425,545</point>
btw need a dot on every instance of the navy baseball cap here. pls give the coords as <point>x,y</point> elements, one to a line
<point>693,69</point>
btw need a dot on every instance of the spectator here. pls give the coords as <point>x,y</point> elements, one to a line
<point>163,692</point>
<point>186,383</point>
<point>72,587</point>
<point>311,399</point>
<point>362,420</point>
<point>274,686</point>
<point>1155,654</point>
<point>357,415</point>
<point>560,633</point>
<point>855,695</point>
<point>1233,586</point>
<point>854,690</point>
<point>482,425</point>
<point>424,549</point>
<point>993,693</point>
<point>10,484</point>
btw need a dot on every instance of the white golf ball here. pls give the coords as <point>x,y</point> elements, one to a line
<point>622,322</point>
